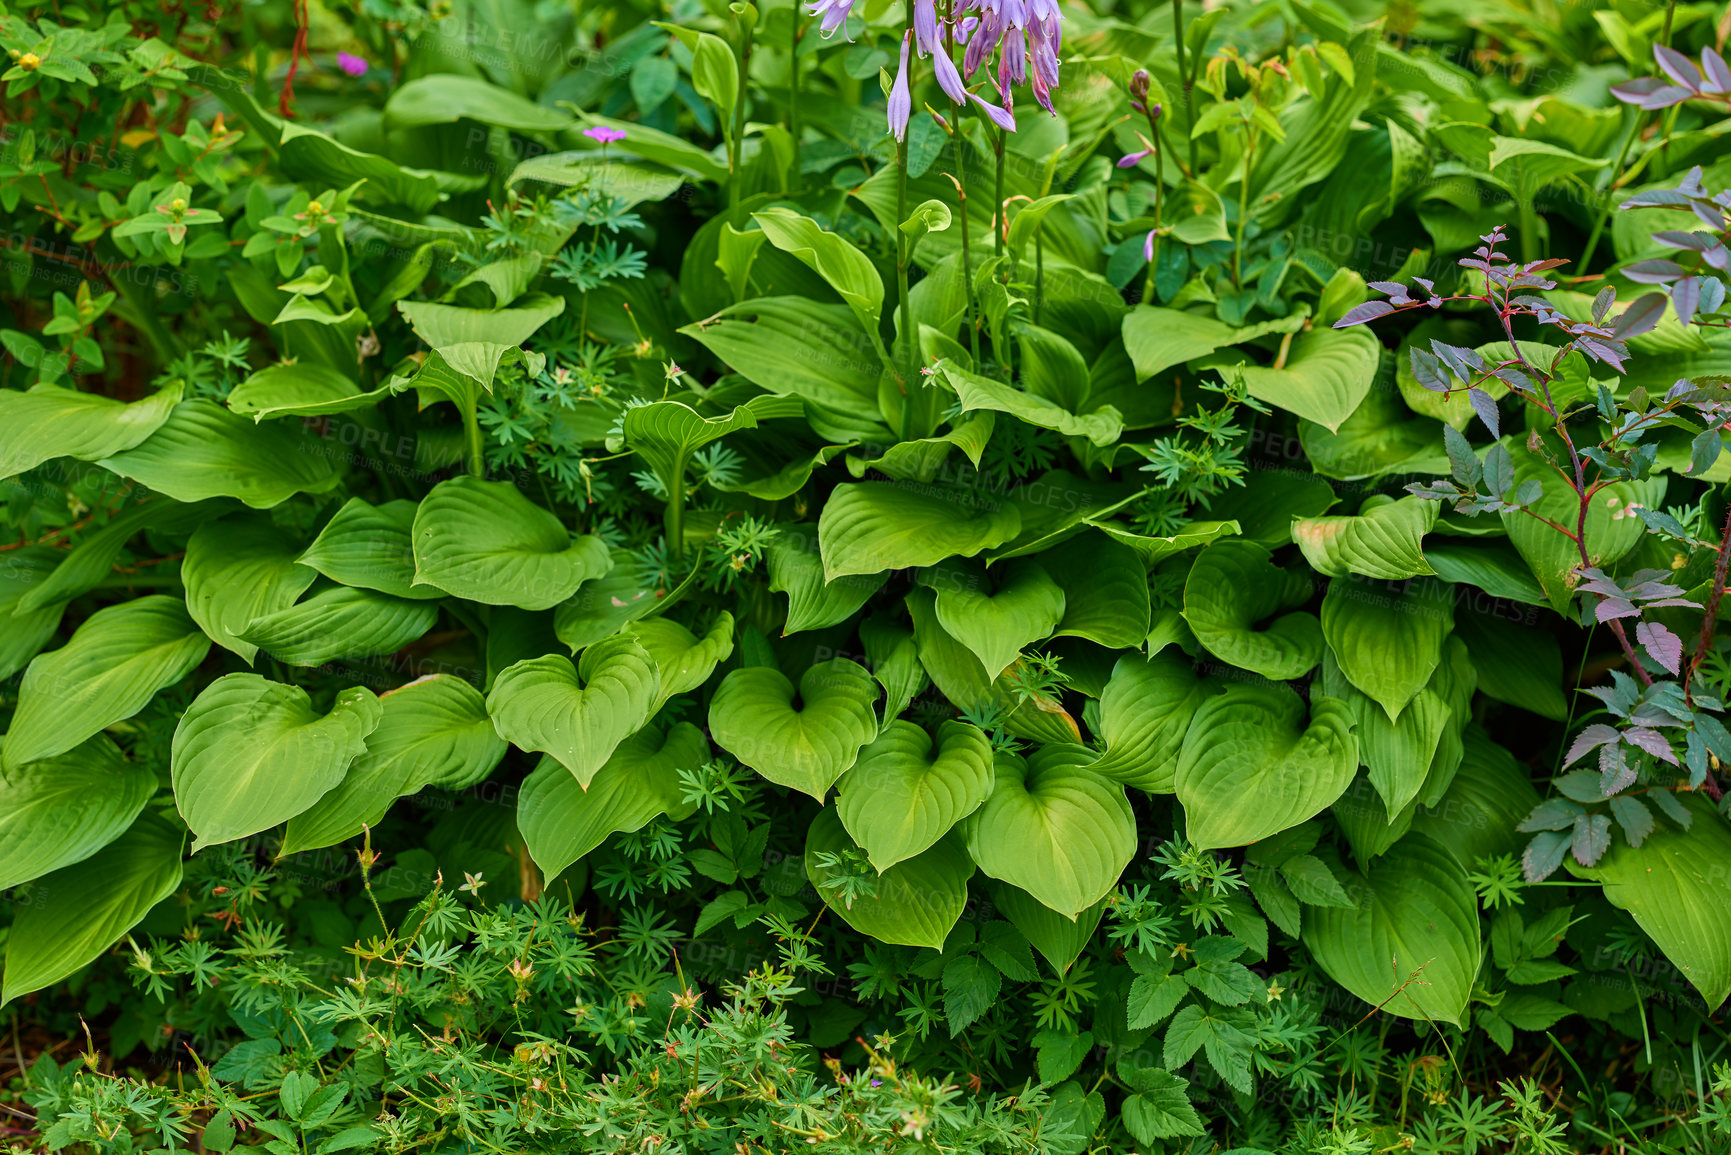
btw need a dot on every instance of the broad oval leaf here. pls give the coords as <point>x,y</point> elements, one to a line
<point>1054,828</point>
<point>1253,765</point>
<point>238,569</point>
<point>205,451</point>
<point>62,810</point>
<point>1326,375</point>
<point>603,605</point>
<point>994,613</point>
<point>1411,945</point>
<point>1388,639</point>
<point>1059,939</point>
<point>804,747</point>
<point>1105,584</point>
<point>370,546</point>
<point>341,622</point>
<point>539,704</point>
<point>1674,886</point>
<point>1382,541</point>
<point>94,902</point>
<point>250,753</point>
<point>1233,586</point>
<point>27,631</point>
<point>48,421</point>
<point>813,603</point>
<point>684,660</point>
<point>485,541</point>
<point>916,903</point>
<point>875,526</point>
<point>114,664</point>
<point>1145,711</point>
<point>907,790</point>
<point>561,821</point>
<point>432,732</point>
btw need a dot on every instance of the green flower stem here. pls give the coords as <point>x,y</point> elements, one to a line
<point>793,84</point>
<point>472,438</point>
<point>1188,80</point>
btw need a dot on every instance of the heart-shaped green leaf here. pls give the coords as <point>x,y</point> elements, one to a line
<point>539,704</point>
<point>341,622</point>
<point>1233,586</point>
<point>1385,540</point>
<point>204,451</point>
<point>110,670</point>
<point>894,658</point>
<point>1145,710</point>
<point>62,810</point>
<point>1054,828</point>
<point>432,732</point>
<point>1326,374</point>
<point>300,390</point>
<point>485,541</point>
<point>371,546</point>
<point>1411,945</point>
<point>994,613</point>
<point>684,660</point>
<point>561,821</point>
<point>1105,584</point>
<point>238,569</point>
<point>875,526</point>
<point>1251,766</point>
<point>796,569</point>
<point>1059,938</point>
<point>94,902</point>
<point>47,421</point>
<point>906,791</point>
<point>250,753</point>
<point>1387,638</point>
<point>804,747</point>
<point>916,903</point>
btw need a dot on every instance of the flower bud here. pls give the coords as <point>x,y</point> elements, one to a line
<point>1139,83</point>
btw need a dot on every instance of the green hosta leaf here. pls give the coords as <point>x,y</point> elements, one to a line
<point>1401,754</point>
<point>1059,938</point>
<point>238,569</point>
<point>906,790</point>
<point>1493,568</point>
<point>752,717</point>
<point>371,546</point>
<point>876,526</point>
<point>924,459</point>
<point>1270,500</point>
<point>796,569</point>
<point>1158,338</point>
<point>1384,541</point>
<point>1387,639</point>
<point>561,821</point>
<point>1105,584</point>
<point>1054,828</point>
<point>1327,374</point>
<point>1487,798</point>
<point>684,660</point>
<point>994,613</point>
<point>603,605</point>
<point>917,901</point>
<point>341,622</point>
<point>92,559</point>
<point>1516,664</point>
<point>305,389</point>
<point>26,630</point>
<point>538,704</point>
<point>1145,710</point>
<point>1253,766</point>
<point>976,393</point>
<point>1674,886</point>
<point>666,433</point>
<point>1233,586</point>
<point>474,341</point>
<point>62,810</point>
<point>205,451</point>
<point>93,903</point>
<point>250,753</point>
<point>1611,530</point>
<point>848,271</point>
<point>1411,945</point>
<point>485,541</point>
<point>48,422</point>
<point>114,664</point>
<point>445,99</point>
<point>894,658</point>
<point>432,732</point>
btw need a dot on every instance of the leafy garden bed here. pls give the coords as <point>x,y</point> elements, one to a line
<point>1007,577</point>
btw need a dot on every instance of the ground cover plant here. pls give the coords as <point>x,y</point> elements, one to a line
<point>857,576</point>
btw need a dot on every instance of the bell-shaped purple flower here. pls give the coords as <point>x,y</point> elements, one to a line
<point>834,13</point>
<point>948,78</point>
<point>901,102</point>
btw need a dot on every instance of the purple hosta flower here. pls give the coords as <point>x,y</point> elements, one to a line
<point>834,13</point>
<point>1148,246</point>
<point>929,40</point>
<point>901,103</point>
<point>351,64</point>
<point>604,133</point>
<point>1026,34</point>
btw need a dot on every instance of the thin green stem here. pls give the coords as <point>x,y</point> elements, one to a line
<point>904,254</point>
<point>998,229</point>
<point>793,85</point>
<point>1244,208</point>
<point>1184,76</point>
<point>962,146</point>
<point>472,437</point>
<point>676,518</point>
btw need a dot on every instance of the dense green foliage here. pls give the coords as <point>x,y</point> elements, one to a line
<point>562,587</point>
